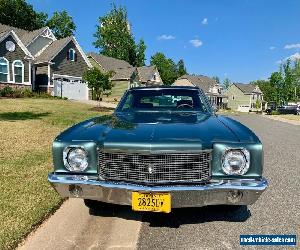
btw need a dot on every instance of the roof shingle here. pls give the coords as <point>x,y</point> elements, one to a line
<point>247,88</point>
<point>25,36</point>
<point>52,50</point>
<point>109,63</point>
<point>203,82</point>
<point>123,74</point>
<point>146,73</point>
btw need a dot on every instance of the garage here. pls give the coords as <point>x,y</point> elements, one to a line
<point>243,108</point>
<point>71,87</point>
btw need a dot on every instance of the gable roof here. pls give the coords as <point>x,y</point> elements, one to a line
<point>28,37</point>
<point>146,73</point>
<point>52,50</point>
<point>203,82</point>
<point>109,63</point>
<point>123,74</point>
<point>25,36</point>
<point>56,46</point>
<point>247,88</point>
<point>5,34</point>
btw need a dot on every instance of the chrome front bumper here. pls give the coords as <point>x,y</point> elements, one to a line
<point>231,192</point>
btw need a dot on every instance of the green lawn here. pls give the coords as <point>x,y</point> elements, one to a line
<point>27,129</point>
<point>290,117</point>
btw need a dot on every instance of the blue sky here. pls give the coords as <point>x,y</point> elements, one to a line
<point>239,39</point>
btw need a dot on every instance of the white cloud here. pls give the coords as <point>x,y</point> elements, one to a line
<point>166,37</point>
<point>205,21</point>
<point>196,42</point>
<point>272,47</point>
<point>293,57</point>
<point>292,46</point>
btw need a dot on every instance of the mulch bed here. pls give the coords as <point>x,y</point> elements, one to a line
<point>101,109</point>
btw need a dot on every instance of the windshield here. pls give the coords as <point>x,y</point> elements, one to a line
<point>164,99</point>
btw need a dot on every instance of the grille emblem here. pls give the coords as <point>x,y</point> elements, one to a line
<point>150,169</point>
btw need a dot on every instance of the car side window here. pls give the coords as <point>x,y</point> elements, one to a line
<point>128,102</point>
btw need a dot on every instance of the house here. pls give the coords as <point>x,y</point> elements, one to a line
<point>245,97</point>
<point>149,76</point>
<point>38,61</point>
<point>210,87</point>
<point>125,75</point>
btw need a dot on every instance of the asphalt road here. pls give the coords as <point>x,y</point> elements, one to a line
<point>276,212</point>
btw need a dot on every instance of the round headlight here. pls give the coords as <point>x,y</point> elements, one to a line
<point>236,161</point>
<point>75,159</point>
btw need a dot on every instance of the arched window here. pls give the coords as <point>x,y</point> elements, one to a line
<point>4,72</point>
<point>72,55</point>
<point>18,71</point>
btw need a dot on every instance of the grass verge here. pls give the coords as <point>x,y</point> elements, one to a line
<point>289,117</point>
<point>27,129</point>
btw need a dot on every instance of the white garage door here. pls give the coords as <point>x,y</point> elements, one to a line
<point>243,108</point>
<point>72,89</point>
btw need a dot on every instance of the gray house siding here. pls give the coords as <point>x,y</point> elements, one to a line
<point>62,66</point>
<point>18,54</point>
<point>38,44</point>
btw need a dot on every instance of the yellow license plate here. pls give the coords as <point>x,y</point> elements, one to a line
<point>154,202</point>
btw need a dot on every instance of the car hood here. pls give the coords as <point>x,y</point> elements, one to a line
<point>151,131</point>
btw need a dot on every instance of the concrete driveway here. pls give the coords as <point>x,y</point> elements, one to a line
<point>73,226</point>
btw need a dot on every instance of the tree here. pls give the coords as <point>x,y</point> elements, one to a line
<point>114,39</point>
<point>296,72</point>
<point>166,67</point>
<point>181,69</point>
<point>98,81</point>
<point>19,14</point>
<point>289,82</point>
<point>62,24</point>
<point>267,89</point>
<point>140,54</point>
<point>226,83</point>
<point>217,79</point>
<point>276,83</point>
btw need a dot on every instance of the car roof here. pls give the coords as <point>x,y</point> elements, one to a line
<point>165,87</point>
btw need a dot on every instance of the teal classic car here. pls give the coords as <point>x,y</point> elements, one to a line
<point>162,148</point>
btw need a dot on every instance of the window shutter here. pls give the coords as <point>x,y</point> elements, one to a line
<point>68,55</point>
<point>75,54</point>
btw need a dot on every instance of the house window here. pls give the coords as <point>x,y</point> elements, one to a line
<point>72,55</point>
<point>154,77</point>
<point>3,69</point>
<point>18,71</point>
<point>233,97</point>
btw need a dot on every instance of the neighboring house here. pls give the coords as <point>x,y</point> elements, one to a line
<point>245,97</point>
<point>211,88</point>
<point>38,61</point>
<point>149,76</point>
<point>125,75</point>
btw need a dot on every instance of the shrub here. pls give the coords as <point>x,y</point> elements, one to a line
<point>27,93</point>
<point>7,91</point>
<point>275,112</point>
<point>17,93</point>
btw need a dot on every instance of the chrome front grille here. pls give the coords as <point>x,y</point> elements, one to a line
<point>155,168</point>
